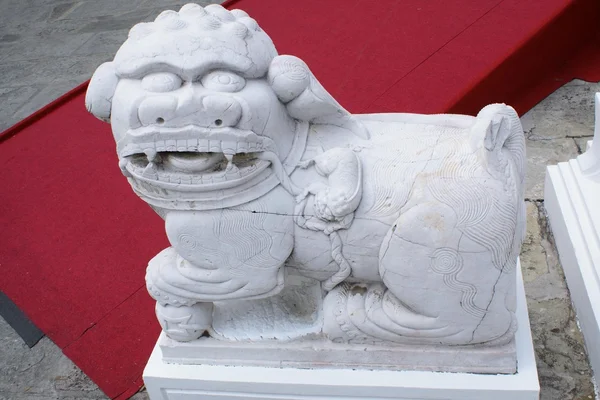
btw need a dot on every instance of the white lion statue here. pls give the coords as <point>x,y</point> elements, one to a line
<point>289,216</point>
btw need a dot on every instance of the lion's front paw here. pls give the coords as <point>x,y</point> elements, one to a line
<point>184,323</point>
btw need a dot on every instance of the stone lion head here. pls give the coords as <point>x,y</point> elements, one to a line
<point>204,111</point>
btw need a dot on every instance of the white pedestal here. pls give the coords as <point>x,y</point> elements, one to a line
<point>572,201</point>
<point>207,382</point>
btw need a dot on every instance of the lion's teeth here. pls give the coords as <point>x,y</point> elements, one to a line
<point>242,147</point>
<point>229,147</point>
<point>230,164</point>
<point>123,166</point>
<point>150,171</point>
<point>215,146</point>
<point>203,145</point>
<point>151,154</point>
<point>192,144</point>
<point>171,145</point>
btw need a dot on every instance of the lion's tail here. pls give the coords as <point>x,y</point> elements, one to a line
<point>499,127</point>
<point>499,133</point>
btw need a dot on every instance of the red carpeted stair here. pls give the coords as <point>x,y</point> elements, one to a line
<point>75,240</point>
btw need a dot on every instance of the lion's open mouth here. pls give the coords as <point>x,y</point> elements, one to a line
<point>219,158</point>
<point>194,168</point>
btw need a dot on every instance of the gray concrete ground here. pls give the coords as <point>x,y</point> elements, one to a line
<point>556,131</point>
<point>49,46</point>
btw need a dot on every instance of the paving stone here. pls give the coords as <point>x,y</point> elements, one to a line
<point>142,395</point>
<point>554,129</point>
<point>11,99</point>
<point>561,358</point>
<point>542,273</point>
<point>563,370</point>
<point>46,95</point>
<point>173,4</point>
<point>62,10</point>
<point>104,42</point>
<point>541,153</point>
<point>17,14</point>
<point>85,9</point>
<point>35,47</point>
<point>114,22</point>
<point>48,70</point>
<point>568,112</point>
<point>42,372</point>
<point>9,38</point>
<point>154,7</point>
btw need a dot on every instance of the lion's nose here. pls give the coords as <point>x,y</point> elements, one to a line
<point>211,111</point>
<point>221,111</point>
<point>157,110</point>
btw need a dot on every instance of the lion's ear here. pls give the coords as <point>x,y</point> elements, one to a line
<point>306,99</point>
<point>100,91</point>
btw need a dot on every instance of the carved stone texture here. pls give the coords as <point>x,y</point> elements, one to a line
<point>290,218</point>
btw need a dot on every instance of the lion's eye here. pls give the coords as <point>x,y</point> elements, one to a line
<point>223,81</point>
<point>161,82</point>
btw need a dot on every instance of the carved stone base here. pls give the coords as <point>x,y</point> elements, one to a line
<point>571,200</point>
<point>324,354</point>
<point>322,378</point>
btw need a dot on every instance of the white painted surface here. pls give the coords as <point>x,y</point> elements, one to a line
<point>589,162</point>
<point>186,382</point>
<point>571,200</point>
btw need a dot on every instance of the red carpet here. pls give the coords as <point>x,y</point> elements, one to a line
<point>76,240</point>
